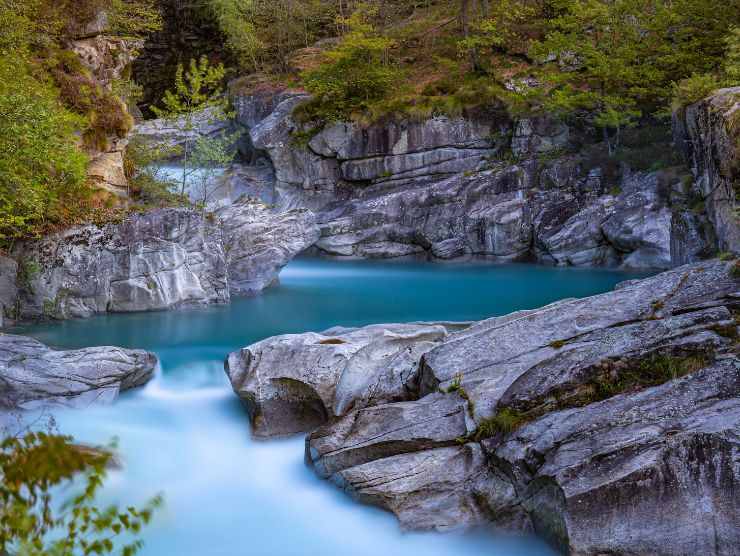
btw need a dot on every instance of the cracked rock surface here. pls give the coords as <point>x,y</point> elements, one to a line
<point>161,259</point>
<point>34,376</point>
<point>607,425</point>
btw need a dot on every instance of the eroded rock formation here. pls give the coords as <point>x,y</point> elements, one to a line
<point>479,186</point>
<point>608,425</point>
<point>160,259</point>
<point>709,136</point>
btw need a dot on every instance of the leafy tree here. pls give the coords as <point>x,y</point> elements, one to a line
<point>354,75</point>
<point>198,97</point>
<point>34,523</point>
<point>619,59</point>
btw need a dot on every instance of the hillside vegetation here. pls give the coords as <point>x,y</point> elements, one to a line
<point>613,62</point>
<point>53,113</point>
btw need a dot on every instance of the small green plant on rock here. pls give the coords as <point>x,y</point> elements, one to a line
<point>505,421</point>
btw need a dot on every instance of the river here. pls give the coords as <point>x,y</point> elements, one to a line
<point>185,434</point>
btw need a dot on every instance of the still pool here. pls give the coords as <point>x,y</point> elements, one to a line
<point>186,436</point>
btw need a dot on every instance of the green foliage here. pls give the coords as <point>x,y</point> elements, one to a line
<point>732,59</point>
<point>693,89</point>
<point>34,523</point>
<point>148,181</point>
<point>263,34</point>
<point>200,88</point>
<point>199,95</point>
<point>619,59</point>
<point>505,421</point>
<point>135,18</point>
<point>353,76</point>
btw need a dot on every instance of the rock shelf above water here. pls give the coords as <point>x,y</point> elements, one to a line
<point>608,425</point>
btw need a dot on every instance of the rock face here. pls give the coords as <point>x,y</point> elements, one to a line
<point>158,260</point>
<point>709,139</point>
<point>294,383</point>
<point>162,259</point>
<point>608,425</point>
<point>259,242</point>
<point>655,472</point>
<point>33,376</point>
<point>8,289</point>
<point>479,186</point>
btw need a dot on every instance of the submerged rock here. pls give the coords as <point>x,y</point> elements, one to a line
<point>608,425</point>
<point>33,376</point>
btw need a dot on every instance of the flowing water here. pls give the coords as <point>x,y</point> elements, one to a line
<point>185,434</point>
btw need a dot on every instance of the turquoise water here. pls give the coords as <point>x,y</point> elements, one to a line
<point>186,436</point>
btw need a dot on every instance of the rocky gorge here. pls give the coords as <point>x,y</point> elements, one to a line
<point>608,425</point>
<point>487,186</point>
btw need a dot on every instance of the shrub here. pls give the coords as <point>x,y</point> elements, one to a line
<point>693,89</point>
<point>41,169</point>
<point>33,523</point>
<point>352,77</point>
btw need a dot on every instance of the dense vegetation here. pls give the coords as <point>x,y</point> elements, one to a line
<point>53,113</point>
<point>607,65</point>
<point>614,61</point>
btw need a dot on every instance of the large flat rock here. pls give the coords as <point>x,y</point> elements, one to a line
<point>33,376</point>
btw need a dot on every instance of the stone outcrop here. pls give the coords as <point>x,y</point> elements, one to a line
<point>8,290</point>
<point>158,260</point>
<point>175,133</point>
<point>479,186</point>
<point>653,473</point>
<point>162,259</point>
<point>708,134</point>
<point>294,383</point>
<point>608,425</point>
<point>259,242</point>
<point>33,376</point>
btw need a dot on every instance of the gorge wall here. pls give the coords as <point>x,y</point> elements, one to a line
<point>485,186</point>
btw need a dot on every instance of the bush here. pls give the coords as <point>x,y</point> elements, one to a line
<point>33,523</point>
<point>352,77</point>
<point>41,168</point>
<point>693,89</point>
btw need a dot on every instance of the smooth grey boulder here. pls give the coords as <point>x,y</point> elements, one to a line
<point>591,413</point>
<point>705,134</point>
<point>157,260</point>
<point>567,340</point>
<point>33,376</point>
<point>654,473</point>
<point>296,382</point>
<point>259,242</point>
